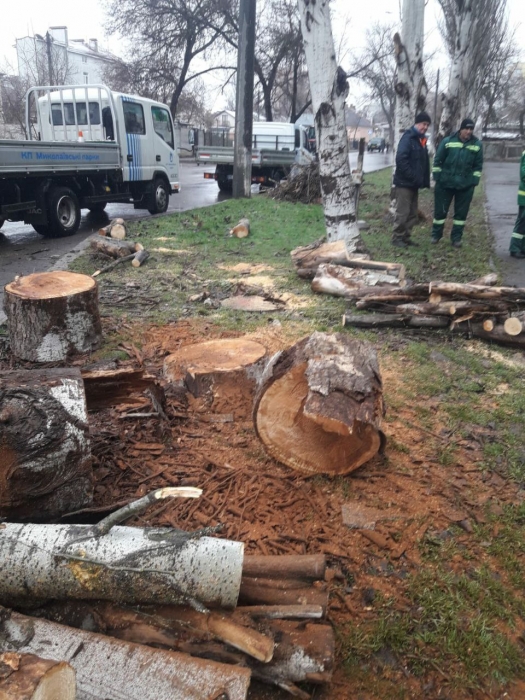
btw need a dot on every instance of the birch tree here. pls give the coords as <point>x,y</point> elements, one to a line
<point>329,89</point>
<point>411,87</point>
<point>474,32</point>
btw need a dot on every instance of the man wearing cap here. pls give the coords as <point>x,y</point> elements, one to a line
<point>517,241</point>
<point>412,174</point>
<point>457,170</point>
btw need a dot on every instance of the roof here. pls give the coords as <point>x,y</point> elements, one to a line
<point>353,119</point>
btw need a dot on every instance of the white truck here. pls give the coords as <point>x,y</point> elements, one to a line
<point>87,146</point>
<point>276,147</point>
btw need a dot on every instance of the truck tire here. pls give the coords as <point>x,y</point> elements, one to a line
<point>63,213</point>
<point>160,197</point>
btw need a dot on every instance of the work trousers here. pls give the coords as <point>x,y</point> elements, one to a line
<point>517,240</point>
<point>442,200</point>
<point>406,213</point>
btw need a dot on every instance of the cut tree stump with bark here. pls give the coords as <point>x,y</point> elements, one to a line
<point>320,405</point>
<point>223,374</point>
<point>343,281</point>
<point>45,458</point>
<point>52,315</point>
<point>29,677</point>
<point>110,668</point>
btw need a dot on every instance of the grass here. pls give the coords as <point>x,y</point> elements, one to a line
<point>463,607</point>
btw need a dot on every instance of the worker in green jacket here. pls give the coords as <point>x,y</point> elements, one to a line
<point>457,170</point>
<point>517,240</point>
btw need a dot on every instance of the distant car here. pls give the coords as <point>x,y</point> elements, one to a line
<point>376,144</point>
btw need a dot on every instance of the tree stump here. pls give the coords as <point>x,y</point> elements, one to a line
<point>51,315</point>
<point>29,677</point>
<point>223,374</point>
<point>320,405</point>
<point>45,459</point>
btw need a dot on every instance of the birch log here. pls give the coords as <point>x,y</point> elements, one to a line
<point>45,457</point>
<point>51,315</point>
<point>329,90</point>
<point>29,677</point>
<point>320,405</point>
<point>474,291</point>
<point>343,281</point>
<point>127,565</point>
<point>110,668</point>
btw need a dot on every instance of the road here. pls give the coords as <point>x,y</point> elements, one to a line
<point>23,251</point>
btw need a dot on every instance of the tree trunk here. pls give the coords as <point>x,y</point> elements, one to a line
<point>28,677</point>
<point>109,668</point>
<point>394,321</point>
<point>320,405</point>
<point>127,565</point>
<point>411,87</point>
<point>342,281</point>
<point>329,90</point>
<point>222,373</point>
<point>114,248</point>
<point>45,459</point>
<point>51,315</point>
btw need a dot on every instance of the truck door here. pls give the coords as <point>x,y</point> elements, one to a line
<point>164,145</point>
<point>136,151</point>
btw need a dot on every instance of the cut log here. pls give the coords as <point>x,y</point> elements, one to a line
<point>110,668</point>
<point>298,566</point>
<point>110,386</point>
<point>114,248</point>
<point>448,308</point>
<point>116,229</point>
<point>307,259</point>
<point>486,281</point>
<point>394,321</point>
<point>28,677</point>
<point>415,292</point>
<point>471,291</point>
<point>140,257</point>
<point>320,405</point>
<point>223,374</point>
<point>242,230</point>
<point>45,458</point>
<point>513,325</point>
<point>496,335</point>
<point>127,565</point>
<point>488,324</point>
<point>343,281</point>
<point>282,612</point>
<point>253,591</point>
<point>51,315</point>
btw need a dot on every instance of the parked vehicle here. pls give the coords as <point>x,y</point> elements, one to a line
<point>87,146</point>
<point>276,147</point>
<point>376,144</point>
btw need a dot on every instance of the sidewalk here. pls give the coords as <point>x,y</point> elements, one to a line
<point>501,192</point>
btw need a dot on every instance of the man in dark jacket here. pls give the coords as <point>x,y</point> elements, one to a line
<point>412,174</point>
<point>457,170</point>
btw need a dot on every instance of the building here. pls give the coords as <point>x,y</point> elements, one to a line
<point>55,59</point>
<point>357,127</point>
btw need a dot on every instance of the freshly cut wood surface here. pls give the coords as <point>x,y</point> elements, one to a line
<point>513,325</point>
<point>49,285</point>
<point>320,405</point>
<point>29,677</point>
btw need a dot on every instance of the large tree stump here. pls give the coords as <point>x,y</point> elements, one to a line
<point>222,373</point>
<point>45,459</point>
<point>28,677</point>
<point>320,405</point>
<point>51,315</point>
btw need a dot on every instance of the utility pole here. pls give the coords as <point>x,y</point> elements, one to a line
<point>242,164</point>
<point>49,39</point>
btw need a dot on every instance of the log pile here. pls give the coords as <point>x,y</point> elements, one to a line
<point>480,309</point>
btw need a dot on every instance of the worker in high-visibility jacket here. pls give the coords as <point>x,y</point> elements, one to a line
<point>517,240</point>
<point>457,170</point>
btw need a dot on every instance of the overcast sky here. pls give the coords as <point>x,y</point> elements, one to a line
<point>85,20</point>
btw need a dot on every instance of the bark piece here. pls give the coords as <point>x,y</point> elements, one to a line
<point>320,405</point>
<point>51,315</point>
<point>110,668</point>
<point>45,457</point>
<point>222,373</point>
<point>343,281</point>
<point>128,565</point>
<point>29,677</point>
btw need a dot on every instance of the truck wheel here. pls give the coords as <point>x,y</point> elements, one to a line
<point>63,213</point>
<point>160,197</point>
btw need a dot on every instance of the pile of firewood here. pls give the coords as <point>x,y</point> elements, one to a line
<point>303,185</point>
<point>111,241</point>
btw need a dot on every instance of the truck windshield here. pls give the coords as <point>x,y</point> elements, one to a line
<point>162,124</point>
<point>94,113</point>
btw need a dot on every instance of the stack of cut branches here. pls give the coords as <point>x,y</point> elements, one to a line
<point>478,308</point>
<point>303,185</point>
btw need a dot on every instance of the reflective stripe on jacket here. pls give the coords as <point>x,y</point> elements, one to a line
<point>458,164</point>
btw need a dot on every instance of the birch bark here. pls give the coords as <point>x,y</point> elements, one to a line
<point>329,89</point>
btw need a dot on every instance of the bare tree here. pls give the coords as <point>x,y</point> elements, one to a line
<point>171,36</point>
<point>329,88</point>
<point>475,32</point>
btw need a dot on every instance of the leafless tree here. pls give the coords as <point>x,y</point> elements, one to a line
<point>476,35</point>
